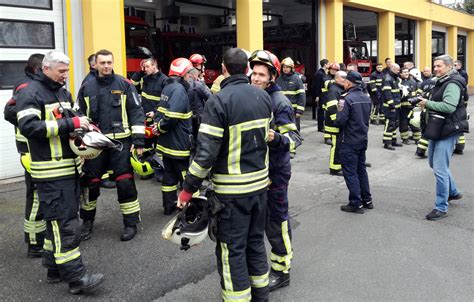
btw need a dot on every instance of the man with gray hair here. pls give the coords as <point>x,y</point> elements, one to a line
<point>446,119</point>
<point>45,118</point>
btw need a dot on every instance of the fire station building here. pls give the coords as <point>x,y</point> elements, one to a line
<point>306,30</point>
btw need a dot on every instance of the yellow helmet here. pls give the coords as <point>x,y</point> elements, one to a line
<point>25,160</point>
<point>140,165</point>
<point>288,62</point>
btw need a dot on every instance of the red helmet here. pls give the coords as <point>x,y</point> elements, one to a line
<point>197,59</point>
<point>266,58</point>
<point>334,66</point>
<point>179,67</point>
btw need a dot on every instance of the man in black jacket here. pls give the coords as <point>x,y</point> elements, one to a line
<point>233,141</point>
<point>316,86</point>
<point>112,103</point>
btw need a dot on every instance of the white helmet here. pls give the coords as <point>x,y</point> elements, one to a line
<point>90,144</point>
<point>416,74</point>
<point>190,226</point>
<point>249,70</point>
<point>415,121</point>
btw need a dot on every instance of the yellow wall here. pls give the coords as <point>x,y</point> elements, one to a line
<point>470,57</point>
<point>424,51</point>
<point>69,50</point>
<point>249,24</point>
<point>104,29</point>
<point>452,37</point>
<point>334,36</point>
<point>386,36</point>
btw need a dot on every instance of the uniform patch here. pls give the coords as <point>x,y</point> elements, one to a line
<point>116,92</point>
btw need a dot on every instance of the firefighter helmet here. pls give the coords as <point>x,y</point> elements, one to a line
<point>179,67</point>
<point>197,59</point>
<point>288,62</point>
<point>266,58</point>
<point>89,144</point>
<point>416,74</point>
<point>334,66</point>
<point>415,121</point>
<point>25,160</point>
<point>147,163</point>
<point>190,226</point>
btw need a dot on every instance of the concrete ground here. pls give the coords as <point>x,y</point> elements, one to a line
<point>390,253</point>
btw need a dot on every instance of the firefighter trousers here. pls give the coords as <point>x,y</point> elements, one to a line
<point>391,126</point>
<point>422,146</point>
<point>119,162</point>
<point>334,160</point>
<point>460,143</point>
<point>60,203</point>
<point>405,115</point>
<point>240,250</point>
<point>278,228</point>
<point>175,171</point>
<point>34,226</point>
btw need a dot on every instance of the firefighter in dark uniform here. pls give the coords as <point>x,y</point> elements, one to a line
<point>112,103</point>
<point>283,138</point>
<point>34,226</point>
<point>336,89</point>
<point>425,92</point>
<point>316,86</point>
<point>409,90</point>
<point>461,143</point>
<point>150,81</point>
<point>45,119</point>
<point>328,80</point>
<point>375,90</point>
<point>198,94</point>
<point>173,128</point>
<point>293,88</point>
<point>353,120</point>
<point>391,103</point>
<point>233,142</point>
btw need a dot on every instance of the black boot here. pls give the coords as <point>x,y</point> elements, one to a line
<point>458,151</point>
<point>34,251</point>
<point>53,277</point>
<point>388,147</point>
<point>406,142</point>
<point>420,154</point>
<point>396,144</point>
<point>128,233</point>
<point>86,229</point>
<point>86,283</point>
<point>328,141</point>
<point>336,172</point>
<point>352,209</point>
<point>278,280</point>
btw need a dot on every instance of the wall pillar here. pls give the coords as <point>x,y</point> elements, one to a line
<point>424,49</point>
<point>104,28</point>
<point>470,57</point>
<point>249,24</point>
<point>452,36</point>
<point>386,36</point>
<point>334,30</point>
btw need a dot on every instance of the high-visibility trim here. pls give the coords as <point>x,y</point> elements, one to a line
<point>130,207</point>
<point>240,296</point>
<point>90,205</point>
<point>169,188</point>
<point>179,153</point>
<point>211,130</point>
<point>386,88</point>
<point>51,107</point>
<point>228,286</point>
<point>125,124</point>
<point>47,245</point>
<point>332,156</point>
<point>396,90</point>
<point>138,129</point>
<point>388,102</point>
<point>172,114</point>
<point>241,189</point>
<point>259,281</point>
<point>88,105</point>
<point>292,143</point>
<point>52,128</point>
<point>331,103</point>
<point>331,129</point>
<point>405,103</point>
<point>421,146</point>
<point>55,168</point>
<point>61,258</point>
<point>159,127</point>
<point>56,236</point>
<point>241,178</point>
<point>20,137</point>
<point>301,108</point>
<point>33,227</point>
<point>119,135</point>
<point>30,111</point>
<point>333,116</point>
<point>198,171</point>
<point>293,92</point>
<point>286,128</point>
<point>151,97</point>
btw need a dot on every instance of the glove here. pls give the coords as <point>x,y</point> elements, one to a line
<point>184,197</point>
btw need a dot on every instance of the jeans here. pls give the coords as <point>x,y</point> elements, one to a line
<point>439,155</point>
<point>355,173</point>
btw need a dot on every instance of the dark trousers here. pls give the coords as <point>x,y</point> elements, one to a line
<point>240,250</point>
<point>321,112</point>
<point>405,115</point>
<point>334,157</point>
<point>119,162</point>
<point>461,142</point>
<point>391,126</point>
<point>175,171</point>
<point>422,146</point>
<point>34,226</point>
<point>355,173</point>
<point>60,204</point>
<point>278,228</point>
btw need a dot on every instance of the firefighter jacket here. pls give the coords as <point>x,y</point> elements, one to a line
<point>328,79</point>
<point>10,112</point>
<point>426,87</point>
<point>293,88</point>
<point>90,76</point>
<point>174,119</point>
<point>286,135</point>
<point>409,89</point>
<point>353,119</point>
<point>375,84</point>
<point>232,140</point>
<point>45,118</point>
<point>112,103</point>
<point>150,88</point>
<point>317,84</point>
<point>198,94</point>
<point>391,91</point>
<point>334,93</point>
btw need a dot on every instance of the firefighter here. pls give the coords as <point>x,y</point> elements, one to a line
<point>112,103</point>
<point>44,118</point>
<point>265,69</point>
<point>33,226</point>
<point>328,80</point>
<point>292,87</point>
<point>409,89</point>
<point>388,63</point>
<point>425,92</point>
<point>459,149</point>
<point>198,94</point>
<point>316,92</point>
<point>198,62</point>
<point>173,127</point>
<point>391,103</point>
<point>233,142</point>
<point>375,87</point>
<point>335,91</point>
